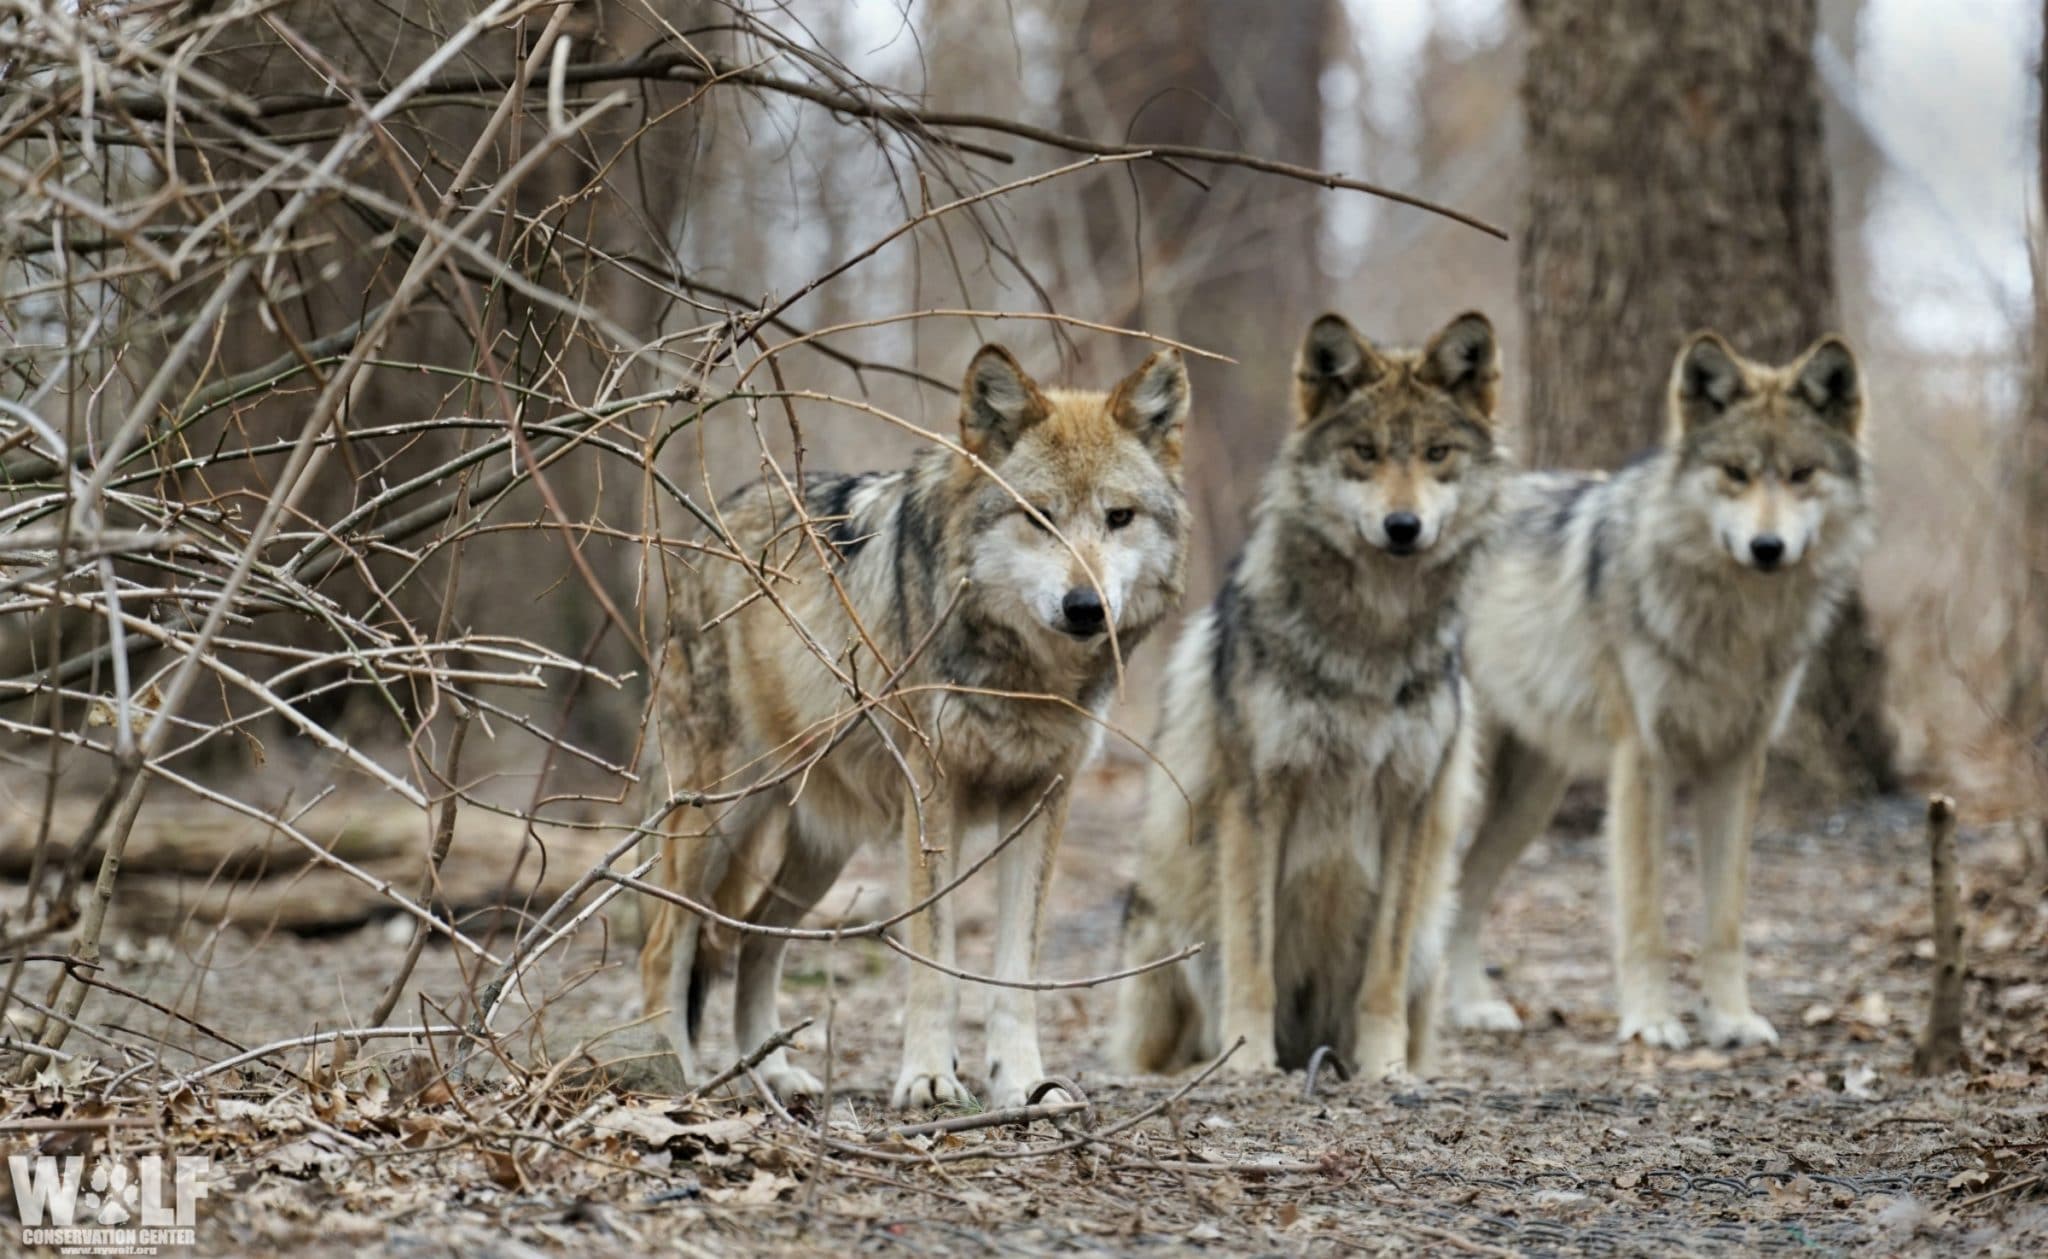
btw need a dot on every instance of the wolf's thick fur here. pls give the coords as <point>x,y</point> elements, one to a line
<point>1655,625</point>
<point>1003,626</point>
<point>1313,715</point>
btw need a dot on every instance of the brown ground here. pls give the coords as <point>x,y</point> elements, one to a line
<point>1555,1143</point>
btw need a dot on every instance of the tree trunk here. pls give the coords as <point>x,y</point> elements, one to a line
<point>2026,704</point>
<point>1678,181</point>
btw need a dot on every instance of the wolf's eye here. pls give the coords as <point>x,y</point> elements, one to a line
<point>1365,450</point>
<point>1039,516</point>
<point>1437,454</point>
<point>1119,517</point>
<point>1801,475</point>
<point>1736,473</point>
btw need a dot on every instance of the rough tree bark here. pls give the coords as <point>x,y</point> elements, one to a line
<point>1941,1041</point>
<point>2026,704</point>
<point>1678,181</point>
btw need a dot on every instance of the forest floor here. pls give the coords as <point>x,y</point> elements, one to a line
<point>1553,1142</point>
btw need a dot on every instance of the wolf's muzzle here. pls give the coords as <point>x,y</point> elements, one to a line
<point>1082,613</point>
<point>1767,549</point>
<point>1403,528</point>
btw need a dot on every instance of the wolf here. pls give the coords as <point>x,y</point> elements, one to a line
<point>925,653</point>
<point>1655,624</point>
<point>1313,751</point>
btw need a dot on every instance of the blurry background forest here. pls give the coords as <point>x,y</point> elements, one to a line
<point>1921,181</point>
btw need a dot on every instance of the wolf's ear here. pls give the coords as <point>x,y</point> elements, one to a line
<point>1706,381</point>
<point>1464,361</point>
<point>998,403</point>
<point>1831,383</point>
<point>1152,402</point>
<point>1334,363</point>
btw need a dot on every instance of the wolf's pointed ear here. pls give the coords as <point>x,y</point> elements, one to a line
<point>1464,361</point>
<point>998,403</point>
<point>1334,362</point>
<point>1152,402</point>
<point>1831,383</point>
<point>1706,381</point>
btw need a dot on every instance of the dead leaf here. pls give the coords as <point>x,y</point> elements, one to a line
<point>2002,1082</point>
<point>1858,1079</point>
<point>646,1122</point>
<point>763,1189</point>
<point>1704,1058</point>
<point>142,709</point>
<point>1871,1010</point>
<point>505,1169</point>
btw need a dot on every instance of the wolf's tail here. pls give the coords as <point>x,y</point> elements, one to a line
<point>1158,1026</point>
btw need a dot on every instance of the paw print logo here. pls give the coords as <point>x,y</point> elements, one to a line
<point>112,1194</point>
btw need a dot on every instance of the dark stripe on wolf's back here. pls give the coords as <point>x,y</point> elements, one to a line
<point>1596,557</point>
<point>1224,614</point>
<point>913,529</point>
<point>831,498</point>
<point>1567,505</point>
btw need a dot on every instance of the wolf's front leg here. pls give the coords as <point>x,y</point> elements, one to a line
<point>1638,814</point>
<point>1247,879</point>
<point>1523,789</point>
<point>1023,878</point>
<point>933,1006</point>
<point>1727,814</point>
<point>1380,1036</point>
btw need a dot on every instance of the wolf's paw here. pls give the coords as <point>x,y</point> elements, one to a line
<point>1487,1014</point>
<point>1659,1030</point>
<point>1383,1057</point>
<point>1736,1030</point>
<point>1007,1093</point>
<point>789,1083</point>
<point>1011,1078</point>
<point>918,1090</point>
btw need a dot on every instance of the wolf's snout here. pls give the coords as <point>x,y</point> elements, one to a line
<point>1403,528</point>
<point>1084,613</point>
<point>1767,549</point>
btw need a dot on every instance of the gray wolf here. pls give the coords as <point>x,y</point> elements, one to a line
<point>1002,578</point>
<point>1313,751</point>
<point>1655,624</point>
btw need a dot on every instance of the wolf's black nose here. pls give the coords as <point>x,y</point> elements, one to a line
<point>1083,610</point>
<point>1767,549</point>
<point>1403,528</point>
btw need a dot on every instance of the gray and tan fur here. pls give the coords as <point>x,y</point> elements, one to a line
<point>1654,626</point>
<point>1314,716</point>
<point>956,554</point>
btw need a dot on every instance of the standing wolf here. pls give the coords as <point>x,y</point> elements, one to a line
<point>1000,580</point>
<point>1313,716</point>
<point>1656,624</point>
